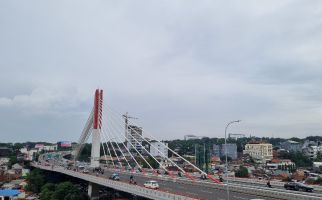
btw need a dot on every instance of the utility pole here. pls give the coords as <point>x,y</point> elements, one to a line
<point>204,156</point>
<point>226,165</point>
<point>196,154</point>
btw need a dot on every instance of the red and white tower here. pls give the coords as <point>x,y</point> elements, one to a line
<point>97,124</point>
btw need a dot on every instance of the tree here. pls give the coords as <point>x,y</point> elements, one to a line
<point>298,158</point>
<point>154,164</point>
<point>35,180</point>
<point>85,154</point>
<point>76,196</point>
<point>242,172</point>
<point>319,157</point>
<point>17,146</point>
<point>296,139</point>
<point>49,186</point>
<point>12,160</point>
<point>47,191</point>
<point>63,191</point>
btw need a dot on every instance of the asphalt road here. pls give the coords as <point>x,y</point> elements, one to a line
<point>186,189</point>
<point>196,191</point>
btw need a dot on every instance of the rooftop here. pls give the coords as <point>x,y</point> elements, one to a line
<point>292,142</point>
<point>8,192</point>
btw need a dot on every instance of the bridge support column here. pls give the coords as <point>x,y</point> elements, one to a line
<point>96,134</point>
<point>96,144</point>
<point>93,191</point>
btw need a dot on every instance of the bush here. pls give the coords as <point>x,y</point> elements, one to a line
<point>287,179</point>
<point>242,172</point>
<point>310,181</point>
<point>318,181</point>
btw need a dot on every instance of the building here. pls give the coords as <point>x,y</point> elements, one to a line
<point>231,150</point>
<point>191,137</point>
<point>291,145</point>
<point>276,164</point>
<point>135,138</point>
<point>311,151</point>
<point>52,147</point>
<point>312,148</point>
<point>216,150</point>
<point>219,150</point>
<point>160,150</point>
<point>39,146</point>
<point>4,161</point>
<point>310,143</point>
<point>5,151</point>
<point>262,152</point>
<point>9,194</point>
<point>29,154</point>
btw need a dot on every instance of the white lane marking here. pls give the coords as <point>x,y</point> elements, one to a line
<point>239,197</point>
<point>206,191</point>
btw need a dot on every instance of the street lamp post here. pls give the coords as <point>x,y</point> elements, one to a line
<point>236,121</point>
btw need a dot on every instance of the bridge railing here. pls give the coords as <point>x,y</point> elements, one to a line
<point>140,191</point>
<point>263,182</point>
<point>133,189</point>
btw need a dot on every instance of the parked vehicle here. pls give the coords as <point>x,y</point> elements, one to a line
<point>85,171</point>
<point>151,185</point>
<point>115,177</point>
<point>298,186</point>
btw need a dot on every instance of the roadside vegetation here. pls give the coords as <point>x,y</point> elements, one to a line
<point>38,184</point>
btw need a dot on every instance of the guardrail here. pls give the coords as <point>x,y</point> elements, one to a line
<point>133,189</point>
<point>277,194</point>
<point>259,190</point>
<point>263,182</point>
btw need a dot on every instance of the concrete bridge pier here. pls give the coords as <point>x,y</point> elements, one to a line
<point>93,191</point>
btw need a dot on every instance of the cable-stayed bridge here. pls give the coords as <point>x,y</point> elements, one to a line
<point>120,145</point>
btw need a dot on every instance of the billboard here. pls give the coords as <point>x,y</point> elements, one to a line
<point>65,144</point>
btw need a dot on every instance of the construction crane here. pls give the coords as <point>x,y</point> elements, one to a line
<point>126,119</point>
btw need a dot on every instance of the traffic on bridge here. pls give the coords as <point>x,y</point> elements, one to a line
<point>127,161</point>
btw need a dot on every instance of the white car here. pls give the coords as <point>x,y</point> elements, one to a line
<point>151,185</point>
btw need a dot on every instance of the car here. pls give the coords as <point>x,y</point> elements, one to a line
<point>85,171</point>
<point>115,177</point>
<point>298,186</point>
<point>151,184</point>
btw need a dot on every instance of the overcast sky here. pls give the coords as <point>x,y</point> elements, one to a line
<point>181,67</point>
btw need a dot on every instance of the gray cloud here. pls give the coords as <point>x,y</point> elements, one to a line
<point>182,67</point>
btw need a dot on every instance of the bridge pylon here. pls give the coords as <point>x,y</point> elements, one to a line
<point>97,124</point>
